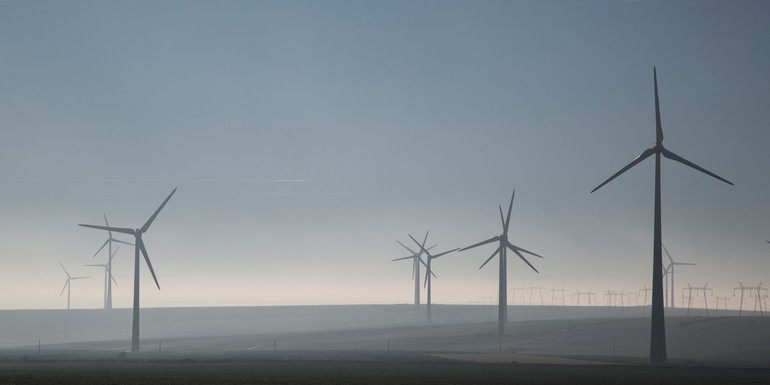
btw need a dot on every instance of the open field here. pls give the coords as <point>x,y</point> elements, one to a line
<point>380,344</point>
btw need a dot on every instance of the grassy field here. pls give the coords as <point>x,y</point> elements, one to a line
<point>378,368</point>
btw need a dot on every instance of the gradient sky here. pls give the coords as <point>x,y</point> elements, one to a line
<point>306,137</point>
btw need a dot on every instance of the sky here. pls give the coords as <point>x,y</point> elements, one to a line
<point>305,138</point>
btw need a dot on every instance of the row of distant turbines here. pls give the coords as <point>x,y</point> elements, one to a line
<point>658,353</point>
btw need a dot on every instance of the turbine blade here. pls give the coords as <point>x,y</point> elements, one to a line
<point>431,247</point>
<point>422,248</point>
<point>404,246</point>
<point>108,225</point>
<point>508,218</point>
<point>670,155</point>
<point>114,252</point>
<point>502,220</point>
<point>669,255</point>
<point>65,270</point>
<point>115,229</point>
<point>119,241</point>
<point>658,126</point>
<point>100,249</point>
<point>414,266</point>
<point>147,259</point>
<point>155,214</point>
<point>525,260</point>
<point>684,264</point>
<point>424,240</point>
<point>100,265</point>
<point>445,253</point>
<point>65,287</point>
<point>646,153</point>
<point>490,240</point>
<point>512,246</point>
<point>401,259</point>
<point>79,277</point>
<point>113,279</point>
<point>490,258</point>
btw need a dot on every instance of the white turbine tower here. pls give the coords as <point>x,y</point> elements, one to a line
<point>108,277</point>
<point>110,254</point>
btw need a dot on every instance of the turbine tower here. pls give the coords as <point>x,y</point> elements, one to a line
<point>428,271</point>
<point>68,285</point>
<point>670,270</point>
<point>416,257</point>
<point>138,247</point>
<point>658,327</point>
<point>110,254</point>
<point>108,278</point>
<point>503,246</point>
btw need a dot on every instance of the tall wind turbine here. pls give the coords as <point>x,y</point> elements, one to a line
<point>68,285</point>
<point>670,269</point>
<point>110,254</point>
<point>138,247</point>
<point>108,278</point>
<point>658,327</point>
<point>503,246</point>
<point>428,271</point>
<point>417,260</point>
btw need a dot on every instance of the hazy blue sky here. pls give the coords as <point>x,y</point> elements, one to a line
<point>389,118</point>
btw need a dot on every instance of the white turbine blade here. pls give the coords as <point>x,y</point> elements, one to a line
<point>113,279</point>
<point>422,245</point>
<point>147,259</point>
<point>65,270</point>
<point>670,155</point>
<point>646,153</point>
<point>428,270</point>
<point>525,260</point>
<point>502,220</point>
<point>116,229</point>
<point>422,248</point>
<point>508,218</point>
<point>401,259</point>
<point>445,253</point>
<point>404,246</point>
<point>512,246</point>
<point>489,259</point>
<point>155,214</point>
<point>490,240</point>
<point>684,264</point>
<point>422,261</point>
<point>100,249</point>
<point>94,265</point>
<point>669,255</point>
<point>114,252</point>
<point>79,277</point>
<point>65,287</point>
<point>119,241</point>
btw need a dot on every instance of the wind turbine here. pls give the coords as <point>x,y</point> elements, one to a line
<point>110,254</point>
<point>658,326</point>
<point>428,271</point>
<point>503,246</point>
<point>670,270</point>
<point>68,285</point>
<point>417,260</point>
<point>108,278</point>
<point>138,247</point>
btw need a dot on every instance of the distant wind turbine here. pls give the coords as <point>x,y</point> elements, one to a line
<point>503,246</point>
<point>110,254</point>
<point>658,327</point>
<point>670,269</point>
<point>428,271</point>
<point>108,278</point>
<point>68,284</point>
<point>138,247</point>
<point>417,260</point>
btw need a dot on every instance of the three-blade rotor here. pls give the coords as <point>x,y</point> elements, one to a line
<point>503,239</point>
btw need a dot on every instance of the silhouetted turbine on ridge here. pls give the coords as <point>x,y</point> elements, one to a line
<point>110,254</point>
<point>671,273</point>
<point>504,244</point>
<point>68,285</point>
<point>428,271</point>
<point>138,247</point>
<point>417,260</point>
<point>108,278</point>
<point>658,327</point>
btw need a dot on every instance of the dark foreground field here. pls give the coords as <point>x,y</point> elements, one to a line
<point>333,367</point>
